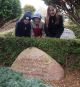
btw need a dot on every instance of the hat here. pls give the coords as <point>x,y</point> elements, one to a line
<point>27,15</point>
<point>36,15</point>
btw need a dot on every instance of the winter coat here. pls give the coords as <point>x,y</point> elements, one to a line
<point>23,29</point>
<point>55,28</point>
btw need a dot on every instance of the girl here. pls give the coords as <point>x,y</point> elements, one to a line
<point>37,25</point>
<point>53,22</point>
<point>23,27</point>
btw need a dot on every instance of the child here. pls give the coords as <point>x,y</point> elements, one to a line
<point>37,25</point>
<point>23,27</point>
<point>53,22</point>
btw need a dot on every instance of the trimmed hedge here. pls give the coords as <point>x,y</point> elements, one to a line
<point>66,52</point>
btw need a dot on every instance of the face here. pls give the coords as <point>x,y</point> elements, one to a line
<point>52,11</point>
<point>36,20</point>
<point>26,21</point>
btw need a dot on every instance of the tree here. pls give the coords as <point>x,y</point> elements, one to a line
<point>28,8</point>
<point>9,9</point>
<point>72,7</point>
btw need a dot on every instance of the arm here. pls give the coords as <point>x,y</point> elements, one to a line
<point>17,29</point>
<point>32,33</point>
<point>43,30</point>
<point>46,25</point>
<point>61,27</point>
<point>61,22</point>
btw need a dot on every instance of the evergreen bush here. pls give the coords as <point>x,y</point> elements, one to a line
<point>66,52</point>
<point>9,78</point>
<point>9,9</point>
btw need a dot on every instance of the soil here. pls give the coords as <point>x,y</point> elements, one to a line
<point>71,79</point>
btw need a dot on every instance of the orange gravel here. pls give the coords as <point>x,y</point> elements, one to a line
<point>71,79</point>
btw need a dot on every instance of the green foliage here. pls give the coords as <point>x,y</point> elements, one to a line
<point>9,9</point>
<point>74,27</point>
<point>16,9</point>
<point>72,8</point>
<point>51,1</point>
<point>9,78</point>
<point>60,50</point>
<point>28,8</point>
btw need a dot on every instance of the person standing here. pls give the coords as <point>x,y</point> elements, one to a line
<point>53,22</point>
<point>23,26</point>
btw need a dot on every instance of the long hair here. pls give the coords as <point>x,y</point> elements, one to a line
<point>48,15</point>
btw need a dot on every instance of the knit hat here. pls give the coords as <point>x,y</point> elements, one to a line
<point>36,15</point>
<point>27,15</point>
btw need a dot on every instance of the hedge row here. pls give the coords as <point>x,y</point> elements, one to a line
<point>66,52</point>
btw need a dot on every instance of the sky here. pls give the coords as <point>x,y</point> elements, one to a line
<point>36,3</point>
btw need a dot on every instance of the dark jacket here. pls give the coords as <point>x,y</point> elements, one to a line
<point>23,29</point>
<point>55,28</point>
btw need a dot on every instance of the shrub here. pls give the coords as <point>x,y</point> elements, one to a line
<point>9,9</point>
<point>74,27</point>
<point>28,8</point>
<point>9,78</point>
<point>66,52</point>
